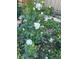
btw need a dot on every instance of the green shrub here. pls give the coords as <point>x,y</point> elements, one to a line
<point>38,36</point>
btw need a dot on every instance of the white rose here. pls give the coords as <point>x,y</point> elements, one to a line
<point>38,6</point>
<point>46,18</point>
<point>37,25</point>
<point>29,42</point>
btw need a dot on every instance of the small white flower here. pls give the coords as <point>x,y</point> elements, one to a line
<point>57,20</point>
<point>37,25</point>
<point>46,18</point>
<point>46,57</point>
<point>42,2</point>
<point>29,42</point>
<point>51,40</point>
<point>50,6</point>
<point>41,13</point>
<point>33,8</point>
<point>38,6</point>
<point>41,32</point>
<point>23,29</point>
<point>49,50</point>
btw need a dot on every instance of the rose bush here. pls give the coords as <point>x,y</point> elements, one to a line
<point>39,34</point>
